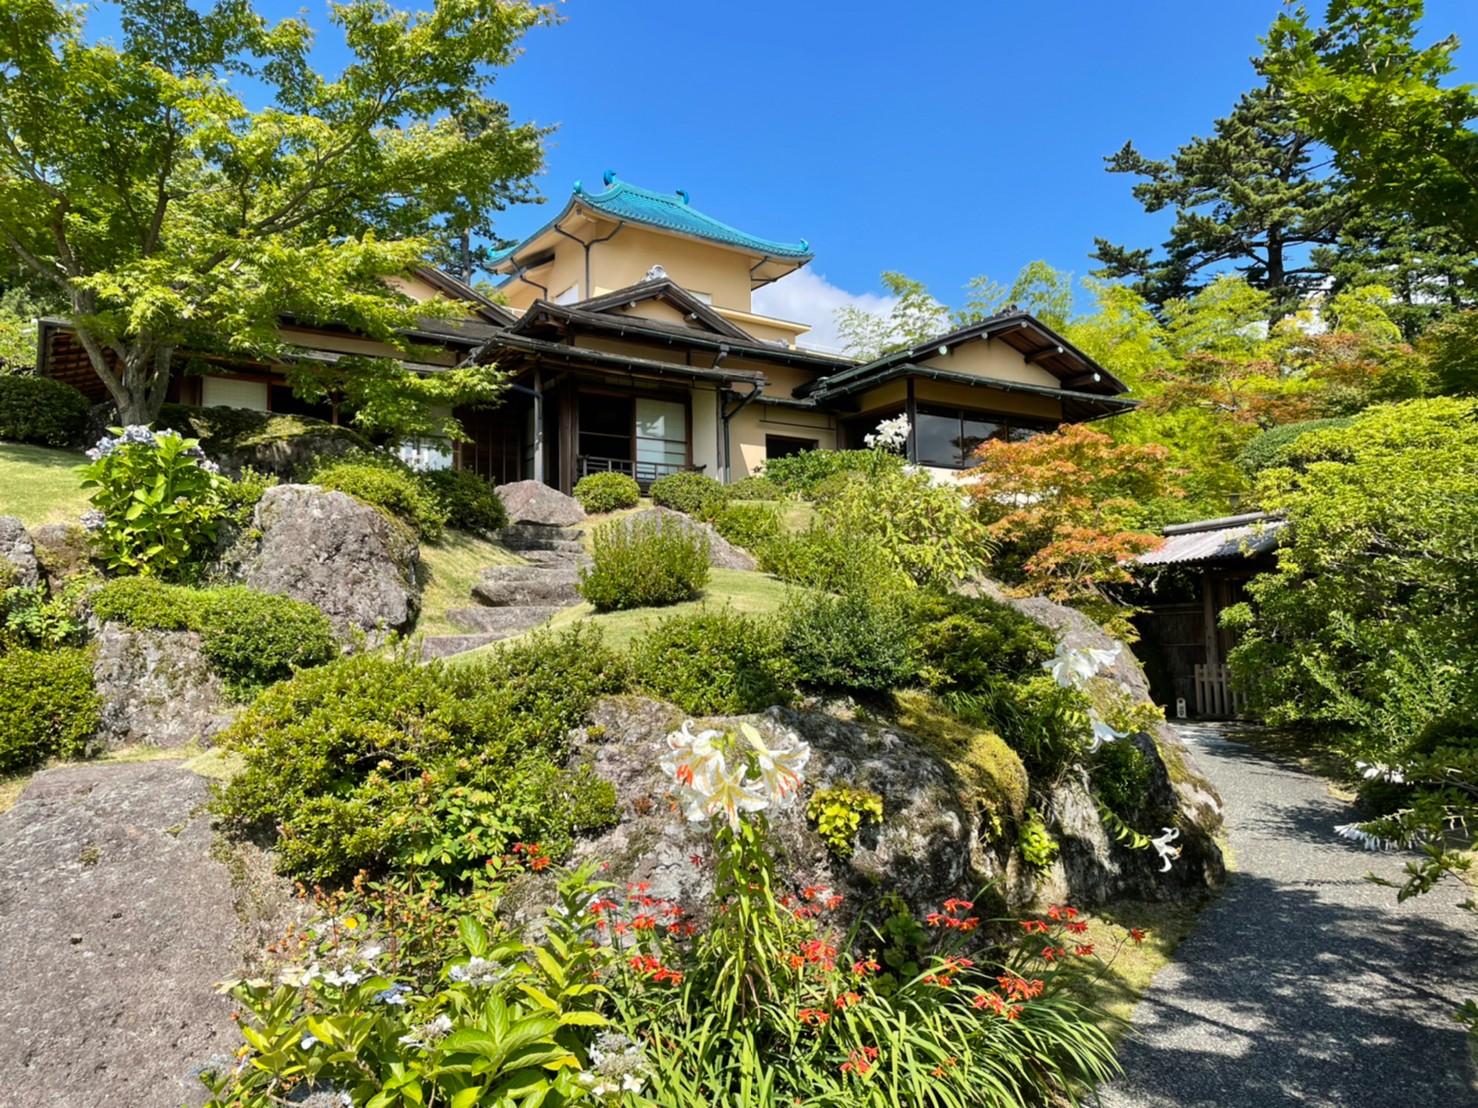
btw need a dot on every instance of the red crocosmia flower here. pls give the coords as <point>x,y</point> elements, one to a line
<point>846,1000</point>
<point>537,864</point>
<point>1083,951</point>
<point>1078,928</point>
<point>861,968</point>
<point>934,919</point>
<point>953,905</point>
<point>813,1016</point>
<point>1031,925</point>
<point>696,859</point>
<point>1137,935</point>
<point>1054,912</point>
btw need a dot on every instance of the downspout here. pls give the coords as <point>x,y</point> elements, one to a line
<point>519,271</point>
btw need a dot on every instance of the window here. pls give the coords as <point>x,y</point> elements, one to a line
<point>424,454</point>
<point>229,392</point>
<point>570,295</point>
<point>949,437</point>
<point>662,432</point>
<point>782,446</point>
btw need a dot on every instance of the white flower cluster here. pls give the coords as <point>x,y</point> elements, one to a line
<point>619,1066</point>
<point>1372,770</point>
<point>478,971</point>
<point>709,781</point>
<point>1073,669</point>
<point>891,434</point>
<point>429,1034</point>
<point>1357,834</point>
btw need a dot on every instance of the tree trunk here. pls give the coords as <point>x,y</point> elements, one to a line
<point>140,380</point>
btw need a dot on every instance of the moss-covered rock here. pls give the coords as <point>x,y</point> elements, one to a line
<point>268,442</point>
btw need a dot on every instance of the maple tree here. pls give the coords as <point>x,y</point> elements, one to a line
<point>1069,509</point>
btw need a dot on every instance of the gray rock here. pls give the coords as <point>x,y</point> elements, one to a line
<point>501,622</point>
<point>536,502</point>
<point>502,586</point>
<point>328,549</point>
<point>722,554</point>
<point>115,925</point>
<point>63,550</point>
<point>543,537</point>
<point>17,548</point>
<point>1197,797</point>
<point>156,688</point>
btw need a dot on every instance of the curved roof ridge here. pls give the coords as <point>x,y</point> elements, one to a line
<point>675,212</point>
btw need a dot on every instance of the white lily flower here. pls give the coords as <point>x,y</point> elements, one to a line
<point>731,794</point>
<point>780,765</point>
<point>1357,834</point>
<point>691,756</point>
<point>1103,733</point>
<point>1372,770</point>
<point>1167,852</point>
<point>1072,669</point>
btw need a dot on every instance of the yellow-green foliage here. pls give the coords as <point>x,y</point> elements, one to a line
<point>992,772</point>
<point>1038,847</point>
<point>839,811</point>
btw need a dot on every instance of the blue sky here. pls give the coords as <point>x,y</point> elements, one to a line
<point>943,140</point>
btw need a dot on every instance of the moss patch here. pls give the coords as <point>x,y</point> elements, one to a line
<point>991,770</point>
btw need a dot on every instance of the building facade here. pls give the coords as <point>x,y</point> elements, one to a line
<point>628,332</point>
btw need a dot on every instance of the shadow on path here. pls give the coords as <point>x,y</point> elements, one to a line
<point>1303,983</point>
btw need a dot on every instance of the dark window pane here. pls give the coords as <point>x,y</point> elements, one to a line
<point>1020,432</point>
<point>976,431</point>
<point>938,439</point>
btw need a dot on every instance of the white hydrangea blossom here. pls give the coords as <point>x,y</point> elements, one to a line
<point>891,434</point>
<point>430,1033</point>
<point>478,971</point>
<point>618,1066</point>
<point>707,784</point>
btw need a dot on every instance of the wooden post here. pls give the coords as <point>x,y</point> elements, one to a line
<point>1208,602</point>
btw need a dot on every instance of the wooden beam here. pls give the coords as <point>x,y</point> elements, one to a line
<point>1085,379</point>
<point>1045,352</point>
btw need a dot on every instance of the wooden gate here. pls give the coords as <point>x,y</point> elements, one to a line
<point>1214,694</point>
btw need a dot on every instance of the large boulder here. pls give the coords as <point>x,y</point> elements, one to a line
<point>353,562</point>
<point>1196,797</point>
<point>19,552</point>
<point>156,688</point>
<point>722,554</point>
<point>117,919</point>
<point>536,502</point>
<point>948,829</point>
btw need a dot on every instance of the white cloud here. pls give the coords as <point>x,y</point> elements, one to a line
<point>808,297</point>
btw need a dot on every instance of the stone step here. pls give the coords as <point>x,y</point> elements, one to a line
<point>501,622</point>
<point>516,533</point>
<point>444,646</point>
<point>561,546</point>
<point>554,558</point>
<point>537,585</point>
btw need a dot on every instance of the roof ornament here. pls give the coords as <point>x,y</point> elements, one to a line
<point>656,273</point>
<point>578,189</point>
<point>684,194</point>
<point>609,177</point>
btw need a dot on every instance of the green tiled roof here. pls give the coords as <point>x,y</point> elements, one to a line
<point>671,212</point>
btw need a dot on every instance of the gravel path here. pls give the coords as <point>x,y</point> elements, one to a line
<point>1303,983</point>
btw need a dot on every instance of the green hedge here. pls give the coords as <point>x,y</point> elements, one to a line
<point>40,410</point>
<point>468,501</point>
<point>715,662</point>
<point>251,639</point>
<point>388,484</point>
<point>859,640</point>
<point>642,563</point>
<point>48,706</point>
<point>686,492</point>
<point>607,492</point>
<point>377,760</point>
<point>801,473</point>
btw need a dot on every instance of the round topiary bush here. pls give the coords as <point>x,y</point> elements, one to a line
<point>40,410</point>
<point>48,706</point>
<point>468,500</point>
<point>607,492</point>
<point>686,492</point>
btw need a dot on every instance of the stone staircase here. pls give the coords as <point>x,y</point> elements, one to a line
<point>510,600</point>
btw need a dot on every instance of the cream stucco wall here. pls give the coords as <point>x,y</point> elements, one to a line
<point>748,429</point>
<point>348,344</point>
<point>987,358</point>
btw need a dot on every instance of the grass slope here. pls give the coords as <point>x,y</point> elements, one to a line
<point>40,485</point>
<point>449,569</point>
<point>751,593</point>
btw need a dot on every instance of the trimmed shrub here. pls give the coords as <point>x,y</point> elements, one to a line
<point>239,498</point>
<point>607,492</point>
<point>829,558</point>
<point>40,410</point>
<point>686,492</point>
<point>48,706</point>
<point>747,525</point>
<point>859,640</point>
<point>801,473</point>
<point>376,760</point>
<point>250,638</point>
<point>755,488</point>
<point>644,563</point>
<point>388,484</point>
<point>1270,449</point>
<point>715,662</point>
<point>963,642</point>
<point>467,500</point>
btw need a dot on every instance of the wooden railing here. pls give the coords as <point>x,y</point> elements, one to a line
<point>1214,694</point>
<point>644,472</point>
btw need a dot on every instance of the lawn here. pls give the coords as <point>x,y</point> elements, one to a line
<point>751,593</point>
<point>449,569</point>
<point>40,485</point>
